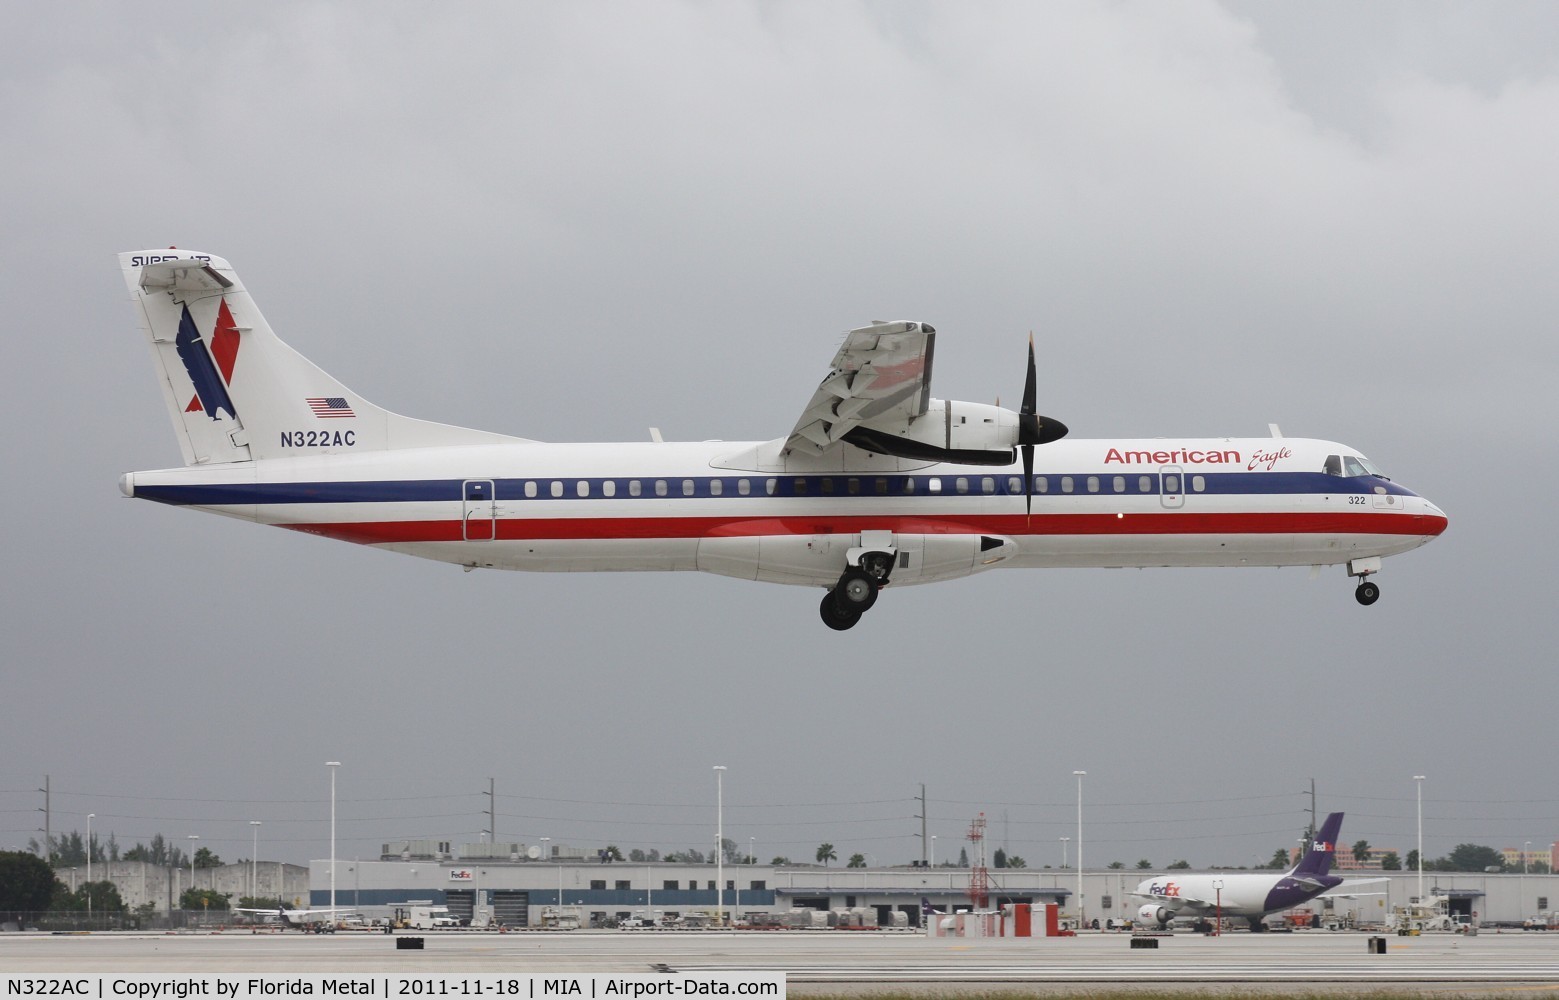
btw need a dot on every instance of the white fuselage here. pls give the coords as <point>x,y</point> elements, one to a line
<point>683,506</point>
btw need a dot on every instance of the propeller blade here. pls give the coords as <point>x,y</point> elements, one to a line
<point>1028,483</point>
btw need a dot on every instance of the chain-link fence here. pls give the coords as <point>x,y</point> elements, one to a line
<point>64,921</point>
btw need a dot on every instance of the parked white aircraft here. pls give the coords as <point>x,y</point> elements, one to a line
<point>1243,894</point>
<point>304,919</point>
<point>877,485</point>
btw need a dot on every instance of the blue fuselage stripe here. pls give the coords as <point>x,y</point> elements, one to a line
<point>830,487</point>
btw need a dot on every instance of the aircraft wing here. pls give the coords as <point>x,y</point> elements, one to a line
<point>1346,890</point>
<point>882,373</point>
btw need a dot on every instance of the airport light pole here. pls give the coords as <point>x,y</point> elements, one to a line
<point>192,837</point>
<point>254,854</point>
<point>1079,775</point>
<point>89,867</point>
<point>1064,842</point>
<point>1418,780</point>
<point>720,844</point>
<point>1218,888</point>
<point>333,765</point>
<point>1525,850</point>
<point>933,850</point>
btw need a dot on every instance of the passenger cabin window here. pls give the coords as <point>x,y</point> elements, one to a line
<point>799,486</point>
<point>634,489</point>
<point>934,485</point>
<point>557,488</point>
<point>530,488</point>
<point>987,485</point>
<point>770,485</point>
<point>1041,484</point>
<point>1199,484</point>
<point>687,487</point>
<point>1014,485</point>
<point>1066,484</point>
<point>1093,484</point>
<point>1144,484</point>
<point>743,487</point>
<point>961,485</point>
<point>716,487</point>
<point>609,488</point>
<point>1171,484</point>
<point>582,488</point>
<point>1119,484</point>
<point>660,487</point>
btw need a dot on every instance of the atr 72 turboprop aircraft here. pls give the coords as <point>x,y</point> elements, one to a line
<point>877,485</point>
<point>1246,895</point>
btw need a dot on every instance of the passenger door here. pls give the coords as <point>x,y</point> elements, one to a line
<point>1171,486</point>
<point>479,510</point>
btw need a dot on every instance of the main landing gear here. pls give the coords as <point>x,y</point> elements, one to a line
<point>855,593</point>
<point>1367,593</point>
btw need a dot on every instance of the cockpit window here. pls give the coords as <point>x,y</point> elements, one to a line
<point>1333,465</point>
<point>1352,465</point>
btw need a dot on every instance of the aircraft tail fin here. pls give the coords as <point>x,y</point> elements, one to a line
<point>1318,860</point>
<point>235,391</point>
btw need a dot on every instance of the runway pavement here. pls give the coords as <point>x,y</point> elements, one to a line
<point>839,962</point>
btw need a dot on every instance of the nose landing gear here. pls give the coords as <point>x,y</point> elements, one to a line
<point>1367,593</point>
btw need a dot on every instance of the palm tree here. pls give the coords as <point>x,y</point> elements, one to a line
<point>826,853</point>
<point>1014,861</point>
<point>856,861</point>
<point>1361,852</point>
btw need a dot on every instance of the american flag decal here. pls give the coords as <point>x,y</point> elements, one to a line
<point>326,407</point>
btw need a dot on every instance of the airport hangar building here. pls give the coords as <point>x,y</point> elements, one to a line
<point>514,888</point>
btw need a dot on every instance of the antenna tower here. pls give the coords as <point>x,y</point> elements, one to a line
<point>979,875</point>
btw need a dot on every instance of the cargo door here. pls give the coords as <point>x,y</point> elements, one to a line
<point>479,510</point>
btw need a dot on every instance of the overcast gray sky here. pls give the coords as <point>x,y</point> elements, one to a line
<point>574,221</point>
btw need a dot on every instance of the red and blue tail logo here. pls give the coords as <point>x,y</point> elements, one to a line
<point>210,371</point>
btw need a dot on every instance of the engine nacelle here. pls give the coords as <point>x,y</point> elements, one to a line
<point>1155,915</point>
<point>949,431</point>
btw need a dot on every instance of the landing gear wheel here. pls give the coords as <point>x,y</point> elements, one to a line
<point>1367,593</point>
<point>835,617</point>
<point>856,591</point>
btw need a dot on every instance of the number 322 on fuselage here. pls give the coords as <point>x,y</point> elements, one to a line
<point>878,484</point>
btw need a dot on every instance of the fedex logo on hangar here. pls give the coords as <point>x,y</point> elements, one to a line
<point>1167,889</point>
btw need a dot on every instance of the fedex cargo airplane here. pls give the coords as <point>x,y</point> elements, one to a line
<point>877,485</point>
<point>1244,894</point>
